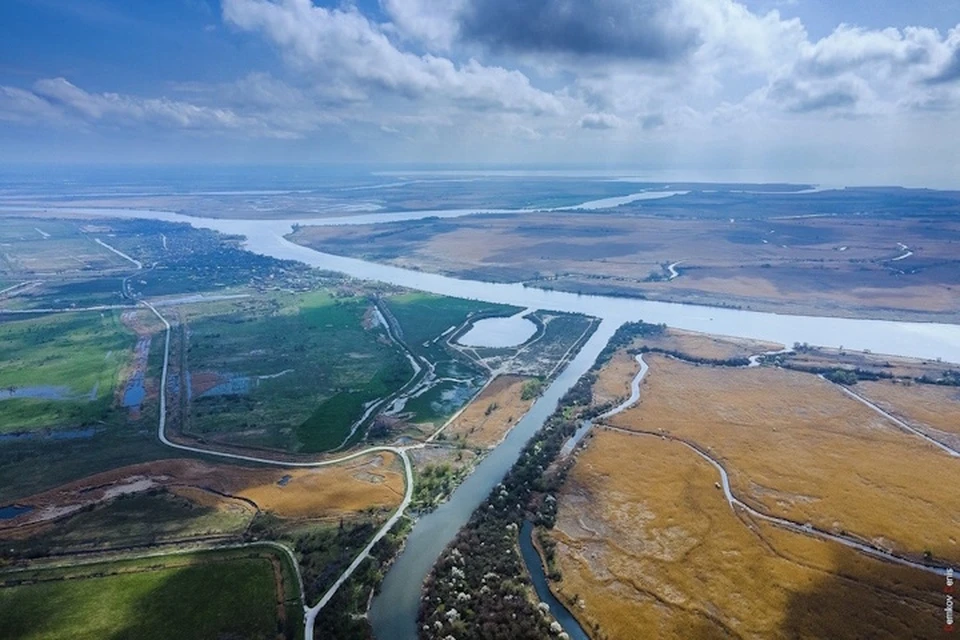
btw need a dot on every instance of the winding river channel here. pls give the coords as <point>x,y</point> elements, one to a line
<point>394,610</point>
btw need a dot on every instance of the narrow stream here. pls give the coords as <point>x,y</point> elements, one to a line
<point>535,566</point>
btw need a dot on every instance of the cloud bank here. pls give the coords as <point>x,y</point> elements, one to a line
<point>553,73</point>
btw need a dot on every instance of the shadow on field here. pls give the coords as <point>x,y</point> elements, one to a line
<point>862,599</point>
<point>866,598</point>
<point>235,599</point>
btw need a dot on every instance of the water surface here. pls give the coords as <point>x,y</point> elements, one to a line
<point>393,612</point>
<point>535,567</point>
<point>499,332</point>
<point>12,511</point>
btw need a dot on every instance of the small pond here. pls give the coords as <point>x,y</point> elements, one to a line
<point>135,392</point>
<point>497,333</point>
<point>40,392</point>
<point>11,511</point>
<point>81,433</point>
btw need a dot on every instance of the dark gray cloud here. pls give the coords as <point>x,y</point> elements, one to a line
<point>830,100</point>
<point>800,98</point>
<point>652,121</point>
<point>949,73</point>
<point>619,29</point>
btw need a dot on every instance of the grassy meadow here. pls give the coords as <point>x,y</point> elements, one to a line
<point>79,355</point>
<point>796,446</point>
<point>648,547</point>
<point>200,596</point>
<point>311,362</point>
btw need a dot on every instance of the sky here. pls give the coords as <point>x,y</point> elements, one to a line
<point>829,91</point>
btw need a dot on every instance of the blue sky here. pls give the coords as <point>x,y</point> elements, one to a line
<point>825,90</point>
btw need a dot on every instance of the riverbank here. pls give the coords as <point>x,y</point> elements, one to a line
<point>822,480</point>
<point>394,611</point>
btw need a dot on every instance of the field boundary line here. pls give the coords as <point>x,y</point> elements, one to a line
<point>897,421</point>
<point>785,523</point>
<point>106,246</point>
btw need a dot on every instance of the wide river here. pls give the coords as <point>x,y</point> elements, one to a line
<point>394,610</point>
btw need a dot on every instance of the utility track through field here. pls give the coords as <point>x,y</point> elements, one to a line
<point>736,503</point>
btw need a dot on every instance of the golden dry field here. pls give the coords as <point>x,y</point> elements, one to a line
<point>371,482</point>
<point>921,405</point>
<point>702,345</point>
<point>649,548</point>
<point>613,380</point>
<point>795,446</point>
<point>489,416</point>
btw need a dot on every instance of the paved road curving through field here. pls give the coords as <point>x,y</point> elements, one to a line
<point>310,612</point>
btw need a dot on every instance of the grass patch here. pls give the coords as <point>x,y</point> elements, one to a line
<point>333,367</point>
<point>425,316</point>
<point>202,596</point>
<point>76,357</point>
<point>531,389</point>
<point>434,482</point>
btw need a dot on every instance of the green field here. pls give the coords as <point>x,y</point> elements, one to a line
<point>198,596</point>
<point>424,316</point>
<point>306,364</point>
<point>335,365</point>
<point>75,356</point>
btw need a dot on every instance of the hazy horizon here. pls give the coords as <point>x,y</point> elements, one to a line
<point>750,91</point>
